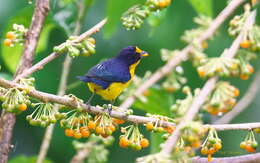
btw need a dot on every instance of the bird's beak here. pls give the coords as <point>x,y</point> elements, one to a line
<point>144,54</point>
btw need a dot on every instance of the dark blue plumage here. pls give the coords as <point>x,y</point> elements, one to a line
<point>113,70</point>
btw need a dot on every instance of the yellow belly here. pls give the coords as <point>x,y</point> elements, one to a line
<point>114,89</point>
<point>111,92</point>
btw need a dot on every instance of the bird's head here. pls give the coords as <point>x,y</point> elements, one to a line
<point>131,54</point>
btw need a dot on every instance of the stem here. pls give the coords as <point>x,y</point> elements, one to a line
<point>183,55</point>
<point>62,87</point>
<point>7,120</point>
<point>207,89</point>
<point>52,56</point>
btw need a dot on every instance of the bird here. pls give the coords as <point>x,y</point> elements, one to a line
<point>110,77</point>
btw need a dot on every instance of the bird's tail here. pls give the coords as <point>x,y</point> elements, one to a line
<point>84,78</point>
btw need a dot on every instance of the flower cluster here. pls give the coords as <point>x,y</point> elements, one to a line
<point>132,138</point>
<point>133,18</point>
<point>157,126</point>
<point>251,39</point>
<point>14,100</point>
<point>249,143</point>
<point>211,145</point>
<point>222,98</point>
<point>43,115</point>
<point>74,49</point>
<point>220,66</point>
<point>245,68</point>
<point>192,134</point>
<point>181,106</point>
<point>16,36</point>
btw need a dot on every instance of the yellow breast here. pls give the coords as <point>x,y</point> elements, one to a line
<point>115,88</point>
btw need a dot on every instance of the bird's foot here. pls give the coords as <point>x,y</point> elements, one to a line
<point>88,105</point>
<point>109,109</point>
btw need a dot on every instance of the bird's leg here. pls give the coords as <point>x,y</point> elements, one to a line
<point>110,106</point>
<point>90,99</point>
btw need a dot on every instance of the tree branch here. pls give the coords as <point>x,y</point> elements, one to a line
<point>52,56</point>
<point>243,103</point>
<point>183,55</point>
<point>7,120</point>
<point>207,89</point>
<point>249,158</point>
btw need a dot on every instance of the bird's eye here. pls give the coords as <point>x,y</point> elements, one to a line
<point>137,50</point>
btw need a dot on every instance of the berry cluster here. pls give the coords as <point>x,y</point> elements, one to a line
<point>157,126</point>
<point>77,124</point>
<point>245,68</point>
<point>181,106</point>
<point>222,99</point>
<point>133,18</point>
<point>132,138</point>
<point>220,66</point>
<point>43,115</point>
<point>191,135</point>
<point>14,100</point>
<point>211,145</point>
<point>16,36</point>
<point>74,49</point>
<point>249,144</point>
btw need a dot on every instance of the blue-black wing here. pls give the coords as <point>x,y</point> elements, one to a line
<point>111,70</point>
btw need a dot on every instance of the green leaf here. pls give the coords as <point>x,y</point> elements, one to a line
<point>26,159</point>
<point>44,37</point>
<point>156,140</point>
<point>6,76</point>
<point>114,12</point>
<point>11,55</point>
<point>158,102</point>
<point>202,6</point>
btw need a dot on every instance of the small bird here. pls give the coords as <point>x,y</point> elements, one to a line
<point>109,78</point>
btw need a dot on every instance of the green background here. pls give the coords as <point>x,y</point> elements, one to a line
<point>178,18</point>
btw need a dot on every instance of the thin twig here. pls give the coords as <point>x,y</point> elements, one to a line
<point>249,158</point>
<point>243,103</point>
<point>7,120</point>
<point>207,89</point>
<point>183,55</point>
<point>62,86</point>
<point>52,56</point>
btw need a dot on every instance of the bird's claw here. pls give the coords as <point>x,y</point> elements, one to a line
<point>109,109</point>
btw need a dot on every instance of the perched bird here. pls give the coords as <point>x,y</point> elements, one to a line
<point>109,78</point>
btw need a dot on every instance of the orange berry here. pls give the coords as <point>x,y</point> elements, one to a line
<point>245,44</point>
<point>144,143</point>
<point>250,68</point>
<point>8,42</point>
<point>77,135</point>
<point>146,93</point>
<point>85,133</point>
<point>250,149</point>
<point>99,130</point>
<point>211,151</point>
<point>112,128</point>
<point>91,125</point>
<point>209,158</point>
<point>22,107</point>
<point>118,121</point>
<point>170,89</point>
<point>204,150</point>
<point>196,144</point>
<point>124,142</point>
<point>10,35</point>
<point>244,76</point>
<point>217,146</point>
<point>167,2</point>
<point>149,126</point>
<point>170,129</point>
<point>83,128</point>
<point>162,4</point>
<point>201,72</point>
<point>236,92</point>
<point>69,132</point>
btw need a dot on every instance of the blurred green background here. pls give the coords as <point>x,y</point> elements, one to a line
<point>178,18</point>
